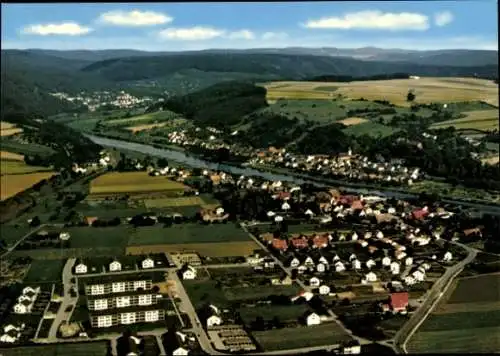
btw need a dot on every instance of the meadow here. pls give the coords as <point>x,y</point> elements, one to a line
<point>478,119</point>
<point>370,128</point>
<point>463,321</point>
<point>11,184</point>
<point>142,119</point>
<point>427,90</point>
<point>132,182</point>
<point>288,313</point>
<point>186,234</point>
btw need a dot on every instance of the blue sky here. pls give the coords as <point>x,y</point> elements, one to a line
<point>192,26</point>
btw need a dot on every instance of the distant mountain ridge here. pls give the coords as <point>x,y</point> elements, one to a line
<point>457,57</point>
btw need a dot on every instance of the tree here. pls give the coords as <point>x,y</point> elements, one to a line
<point>410,96</point>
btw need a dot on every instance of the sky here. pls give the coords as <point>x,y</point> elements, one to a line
<point>420,25</point>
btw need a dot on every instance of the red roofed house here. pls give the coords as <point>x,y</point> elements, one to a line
<point>420,214</point>
<point>357,205</point>
<point>284,195</point>
<point>299,242</point>
<point>347,199</point>
<point>320,241</point>
<point>280,244</point>
<point>398,302</point>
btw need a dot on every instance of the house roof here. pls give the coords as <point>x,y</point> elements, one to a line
<point>399,300</point>
<point>122,277</point>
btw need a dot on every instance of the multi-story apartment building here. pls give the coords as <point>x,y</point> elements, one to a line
<point>123,299</point>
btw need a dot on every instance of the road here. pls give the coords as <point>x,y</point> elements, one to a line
<point>227,265</point>
<point>187,307</point>
<point>13,247</point>
<point>288,271</point>
<point>67,300</point>
<point>434,295</point>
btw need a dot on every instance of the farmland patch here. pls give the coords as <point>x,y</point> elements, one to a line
<point>292,338</point>
<point>132,182</point>
<point>353,121</point>
<point>489,285</point>
<point>11,184</point>
<point>370,128</point>
<point>479,120</point>
<point>45,271</point>
<point>173,202</point>
<point>19,167</point>
<point>10,156</point>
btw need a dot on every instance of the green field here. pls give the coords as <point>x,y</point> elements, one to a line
<point>89,237</point>
<point>56,254</point>
<point>93,348</point>
<point>142,119</point>
<point>461,341</point>
<point>294,338</point>
<point>321,111</point>
<point>45,271</point>
<point>187,233</point>
<point>370,128</point>
<point>261,291</point>
<point>289,313</point>
<point>24,148</point>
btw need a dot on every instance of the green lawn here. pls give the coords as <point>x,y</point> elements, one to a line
<point>370,128</point>
<point>287,313</point>
<point>11,234</point>
<point>262,291</point>
<point>294,338</point>
<point>44,271</point>
<point>143,119</point>
<point>202,292</point>
<point>187,233</point>
<point>56,254</point>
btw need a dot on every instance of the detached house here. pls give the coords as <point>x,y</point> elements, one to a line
<point>213,317</point>
<point>312,319</point>
<point>148,263</point>
<point>80,267</point>
<point>324,290</point>
<point>115,266</point>
<point>187,272</point>
<point>398,302</point>
<point>122,299</point>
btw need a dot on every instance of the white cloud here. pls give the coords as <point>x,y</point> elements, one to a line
<point>134,18</point>
<point>443,18</point>
<point>241,35</point>
<point>274,36</point>
<point>65,28</point>
<point>373,20</point>
<point>197,33</point>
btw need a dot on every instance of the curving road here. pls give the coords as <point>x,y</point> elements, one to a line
<point>434,295</point>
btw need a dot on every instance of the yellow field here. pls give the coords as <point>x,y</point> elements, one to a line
<point>11,156</point>
<point>214,249</point>
<point>480,120</point>
<point>13,184</point>
<point>427,90</point>
<point>4,125</point>
<point>116,182</point>
<point>145,127</point>
<point>353,121</point>
<point>173,202</point>
<point>19,167</point>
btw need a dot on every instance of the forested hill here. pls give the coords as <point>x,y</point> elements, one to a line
<point>220,105</point>
<point>285,66</point>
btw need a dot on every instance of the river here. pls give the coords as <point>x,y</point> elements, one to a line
<point>195,162</point>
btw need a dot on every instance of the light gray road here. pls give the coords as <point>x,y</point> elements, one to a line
<point>227,265</point>
<point>434,295</point>
<point>67,299</point>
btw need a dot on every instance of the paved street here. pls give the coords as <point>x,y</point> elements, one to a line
<point>67,300</point>
<point>13,247</point>
<point>433,297</point>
